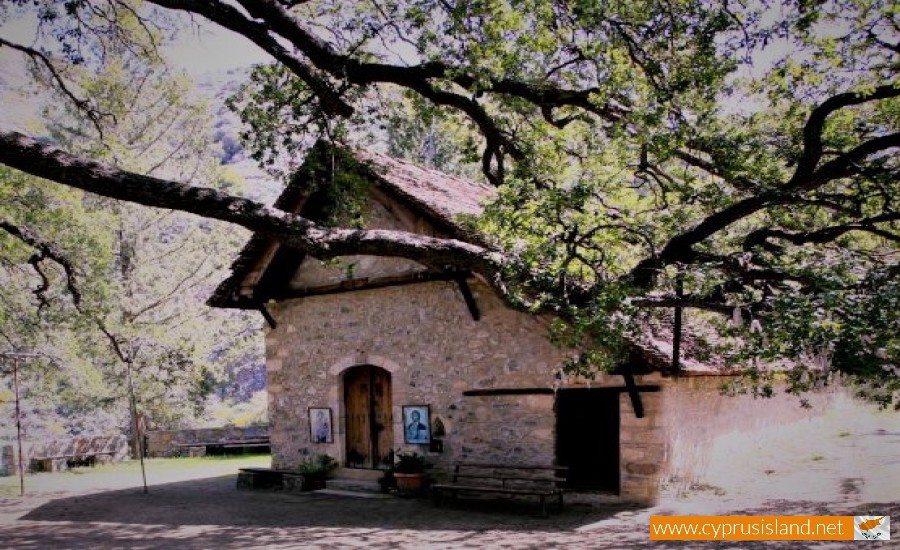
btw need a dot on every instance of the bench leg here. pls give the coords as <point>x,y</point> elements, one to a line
<point>544,506</point>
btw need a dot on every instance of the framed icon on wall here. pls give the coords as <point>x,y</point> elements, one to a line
<point>417,424</point>
<point>320,425</point>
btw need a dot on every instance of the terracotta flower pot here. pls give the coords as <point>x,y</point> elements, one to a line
<point>410,483</point>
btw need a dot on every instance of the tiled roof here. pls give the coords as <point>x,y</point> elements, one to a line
<point>439,196</point>
<point>442,195</point>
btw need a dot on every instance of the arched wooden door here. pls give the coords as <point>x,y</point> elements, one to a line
<point>367,402</point>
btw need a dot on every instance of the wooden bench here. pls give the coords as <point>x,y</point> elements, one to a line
<point>516,480</point>
<point>54,463</point>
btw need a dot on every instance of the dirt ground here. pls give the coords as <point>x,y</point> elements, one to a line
<point>842,463</point>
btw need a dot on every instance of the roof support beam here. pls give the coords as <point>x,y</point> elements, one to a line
<point>467,295</point>
<point>490,392</point>
<point>633,391</point>
<point>267,316</point>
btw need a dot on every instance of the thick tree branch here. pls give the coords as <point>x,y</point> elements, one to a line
<point>760,237</point>
<point>815,124</point>
<point>83,105</point>
<point>680,248</point>
<point>45,249</point>
<point>259,33</point>
<point>847,164</point>
<point>26,154</point>
<point>271,18</point>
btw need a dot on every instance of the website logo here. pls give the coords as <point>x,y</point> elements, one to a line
<point>871,527</point>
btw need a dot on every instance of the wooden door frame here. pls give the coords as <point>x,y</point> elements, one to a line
<point>336,372</point>
<point>375,452</point>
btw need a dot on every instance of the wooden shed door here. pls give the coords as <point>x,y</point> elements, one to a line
<point>367,398</point>
<point>587,437</point>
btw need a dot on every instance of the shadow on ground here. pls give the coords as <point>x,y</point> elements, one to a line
<point>215,501</point>
<point>210,513</point>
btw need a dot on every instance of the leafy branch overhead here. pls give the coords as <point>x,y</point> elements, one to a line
<point>747,151</point>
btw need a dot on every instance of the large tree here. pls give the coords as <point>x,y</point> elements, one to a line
<point>731,157</point>
<point>138,276</point>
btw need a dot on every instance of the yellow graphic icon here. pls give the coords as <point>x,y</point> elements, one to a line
<point>871,523</point>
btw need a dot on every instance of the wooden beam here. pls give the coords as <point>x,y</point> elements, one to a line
<point>267,316</point>
<point>508,391</point>
<point>468,297</point>
<point>487,392</point>
<point>633,391</point>
<point>363,284</point>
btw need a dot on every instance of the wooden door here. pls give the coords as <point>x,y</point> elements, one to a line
<point>587,437</point>
<point>367,400</point>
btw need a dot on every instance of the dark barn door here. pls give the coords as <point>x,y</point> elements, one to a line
<point>367,399</point>
<point>587,437</point>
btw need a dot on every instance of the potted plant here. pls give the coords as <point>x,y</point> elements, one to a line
<point>315,471</point>
<point>409,472</point>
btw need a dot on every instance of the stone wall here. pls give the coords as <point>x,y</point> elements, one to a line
<point>161,443</point>
<point>642,447</point>
<point>424,335</point>
<point>504,429</point>
<point>697,414</point>
<point>107,448</point>
<point>8,460</point>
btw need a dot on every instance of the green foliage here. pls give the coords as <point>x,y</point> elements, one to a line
<point>321,465</point>
<point>410,463</point>
<point>233,412</point>
<point>143,275</point>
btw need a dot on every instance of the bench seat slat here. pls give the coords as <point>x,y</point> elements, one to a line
<point>511,478</point>
<point>510,466</point>
<point>504,490</point>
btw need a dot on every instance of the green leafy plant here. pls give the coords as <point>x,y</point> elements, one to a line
<point>321,465</point>
<point>410,463</point>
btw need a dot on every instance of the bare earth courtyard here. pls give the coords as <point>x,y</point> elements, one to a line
<point>836,464</point>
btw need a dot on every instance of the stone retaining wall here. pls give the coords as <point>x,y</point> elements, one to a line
<point>162,443</point>
<point>107,448</point>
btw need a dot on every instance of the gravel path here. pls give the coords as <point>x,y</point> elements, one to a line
<point>211,513</point>
<point>839,464</point>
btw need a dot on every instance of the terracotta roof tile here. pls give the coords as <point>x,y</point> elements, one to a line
<point>442,195</point>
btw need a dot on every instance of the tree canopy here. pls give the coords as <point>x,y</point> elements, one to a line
<point>734,158</point>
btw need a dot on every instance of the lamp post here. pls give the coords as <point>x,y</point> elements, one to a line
<point>16,356</point>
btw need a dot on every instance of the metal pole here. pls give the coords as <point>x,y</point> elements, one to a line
<point>138,446</point>
<point>676,330</point>
<point>18,426</point>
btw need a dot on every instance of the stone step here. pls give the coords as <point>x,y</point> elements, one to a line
<point>352,494</point>
<point>358,473</point>
<point>354,485</point>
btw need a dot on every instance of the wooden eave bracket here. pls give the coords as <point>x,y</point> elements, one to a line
<point>467,295</point>
<point>267,316</point>
<point>633,393</point>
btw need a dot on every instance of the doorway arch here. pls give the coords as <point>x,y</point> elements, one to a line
<point>368,417</point>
